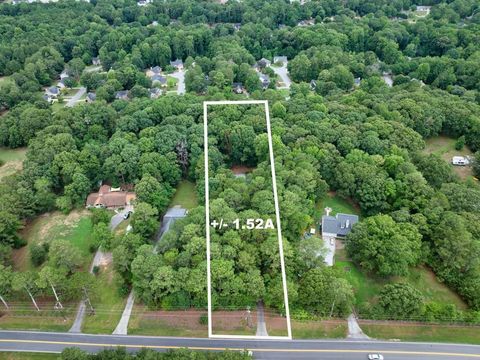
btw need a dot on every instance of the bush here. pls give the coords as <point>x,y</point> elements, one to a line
<point>203,320</point>
<point>401,301</point>
<point>460,143</point>
<point>38,253</point>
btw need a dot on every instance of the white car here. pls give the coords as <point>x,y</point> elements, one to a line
<point>375,357</point>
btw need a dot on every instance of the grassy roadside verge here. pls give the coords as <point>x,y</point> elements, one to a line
<point>109,305</point>
<point>27,356</point>
<point>422,332</point>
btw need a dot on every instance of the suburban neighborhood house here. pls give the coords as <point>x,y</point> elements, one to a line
<point>335,227</point>
<point>177,64</point>
<point>110,198</point>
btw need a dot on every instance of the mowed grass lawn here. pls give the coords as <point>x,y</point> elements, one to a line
<point>185,195</point>
<point>11,160</point>
<point>108,304</point>
<point>75,227</point>
<point>444,147</point>
<point>337,204</point>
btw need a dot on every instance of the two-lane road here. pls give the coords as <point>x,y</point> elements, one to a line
<point>262,349</point>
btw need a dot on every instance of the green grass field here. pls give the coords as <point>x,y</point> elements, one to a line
<point>27,318</point>
<point>185,195</point>
<point>319,329</point>
<point>337,204</point>
<point>444,147</point>
<point>423,332</point>
<point>108,306</point>
<point>75,227</point>
<point>367,287</point>
<point>11,160</point>
<point>28,356</point>
<point>7,155</point>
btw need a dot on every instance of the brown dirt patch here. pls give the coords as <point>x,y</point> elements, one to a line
<point>241,169</point>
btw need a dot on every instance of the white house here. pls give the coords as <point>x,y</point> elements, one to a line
<point>461,160</point>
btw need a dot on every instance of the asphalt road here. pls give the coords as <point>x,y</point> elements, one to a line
<point>262,349</point>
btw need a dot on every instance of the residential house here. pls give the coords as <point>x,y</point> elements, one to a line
<point>121,95</point>
<point>155,70</point>
<point>143,2</point>
<point>238,88</point>
<point>313,84</point>
<point>338,226</point>
<point>265,80</point>
<point>356,81</point>
<point>280,59</point>
<point>61,83</point>
<point>159,79</point>
<point>64,74</point>
<point>52,91</point>
<point>237,26</point>
<point>155,92</point>
<point>110,198</point>
<point>262,63</point>
<point>308,22</point>
<point>461,160</point>
<point>333,228</point>
<point>96,61</point>
<point>177,64</point>
<point>91,97</point>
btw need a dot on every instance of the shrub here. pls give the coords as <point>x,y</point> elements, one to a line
<point>38,253</point>
<point>203,320</point>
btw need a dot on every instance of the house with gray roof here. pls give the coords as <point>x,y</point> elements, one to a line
<point>154,92</point>
<point>91,97</point>
<point>159,79</point>
<point>265,80</point>
<point>280,59</point>
<point>177,64</point>
<point>121,95</point>
<point>338,226</point>
<point>52,91</point>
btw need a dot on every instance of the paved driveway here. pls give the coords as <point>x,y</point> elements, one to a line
<point>282,72</point>
<point>180,76</point>
<point>118,217</point>
<point>74,99</point>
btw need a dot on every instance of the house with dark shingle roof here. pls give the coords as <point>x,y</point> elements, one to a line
<point>91,97</point>
<point>52,91</point>
<point>155,93</point>
<point>177,64</point>
<point>338,226</point>
<point>160,79</point>
<point>121,95</point>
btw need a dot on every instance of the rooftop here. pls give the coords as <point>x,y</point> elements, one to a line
<point>341,224</point>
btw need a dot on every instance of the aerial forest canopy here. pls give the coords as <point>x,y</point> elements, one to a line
<point>348,131</point>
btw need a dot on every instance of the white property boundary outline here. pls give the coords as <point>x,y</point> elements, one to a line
<point>277,213</point>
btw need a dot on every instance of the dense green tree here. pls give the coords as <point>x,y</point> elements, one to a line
<point>385,247</point>
<point>401,301</point>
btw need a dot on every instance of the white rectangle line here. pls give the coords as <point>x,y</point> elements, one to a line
<point>277,212</point>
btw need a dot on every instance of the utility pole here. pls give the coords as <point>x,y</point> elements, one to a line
<point>91,310</point>
<point>58,304</point>
<point>4,302</point>
<point>31,297</point>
